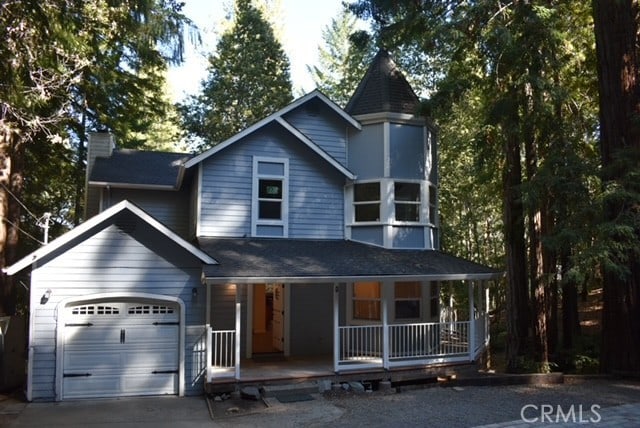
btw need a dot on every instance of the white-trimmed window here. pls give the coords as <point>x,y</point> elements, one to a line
<point>366,300</point>
<point>407,201</point>
<point>407,297</point>
<point>270,196</point>
<point>366,201</point>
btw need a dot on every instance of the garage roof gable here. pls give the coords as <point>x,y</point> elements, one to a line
<point>96,224</point>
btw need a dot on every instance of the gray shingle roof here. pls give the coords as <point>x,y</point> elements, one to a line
<point>245,258</point>
<point>383,89</point>
<point>133,167</point>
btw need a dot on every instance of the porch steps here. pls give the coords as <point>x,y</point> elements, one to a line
<point>290,388</point>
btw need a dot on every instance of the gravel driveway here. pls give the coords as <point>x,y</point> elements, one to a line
<point>449,406</point>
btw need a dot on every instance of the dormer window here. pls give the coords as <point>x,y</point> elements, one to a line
<point>270,196</point>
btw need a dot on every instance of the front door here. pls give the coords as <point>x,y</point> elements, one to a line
<point>268,318</point>
<point>278,317</point>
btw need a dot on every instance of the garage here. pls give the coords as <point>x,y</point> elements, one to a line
<point>120,348</point>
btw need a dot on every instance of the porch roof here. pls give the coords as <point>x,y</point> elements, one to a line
<point>248,260</point>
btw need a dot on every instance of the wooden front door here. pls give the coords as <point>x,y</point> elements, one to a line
<point>278,317</point>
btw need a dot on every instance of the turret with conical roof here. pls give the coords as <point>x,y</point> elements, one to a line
<point>393,200</point>
<point>383,89</point>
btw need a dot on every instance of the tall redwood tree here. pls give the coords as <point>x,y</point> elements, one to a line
<point>616,29</point>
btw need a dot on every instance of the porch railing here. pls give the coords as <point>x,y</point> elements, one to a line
<point>223,351</point>
<point>411,344</point>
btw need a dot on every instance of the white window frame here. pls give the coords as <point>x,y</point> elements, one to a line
<point>284,220</point>
<point>419,299</point>
<point>350,299</point>
<point>419,204</point>
<point>379,201</point>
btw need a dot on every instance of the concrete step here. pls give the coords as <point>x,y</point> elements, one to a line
<point>290,388</point>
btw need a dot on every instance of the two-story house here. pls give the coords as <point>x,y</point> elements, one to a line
<point>312,235</point>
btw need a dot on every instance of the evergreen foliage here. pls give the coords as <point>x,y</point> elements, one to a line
<point>343,58</point>
<point>513,91</point>
<point>68,67</point>
<point>248,79</point>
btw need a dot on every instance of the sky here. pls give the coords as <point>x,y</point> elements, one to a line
<point>303,22</point>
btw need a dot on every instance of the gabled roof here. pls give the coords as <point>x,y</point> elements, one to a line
<point>140,169</point>
<point>99,222</point>
<point>246,260</point>
<point>279,118</point>
<point>383,89</point>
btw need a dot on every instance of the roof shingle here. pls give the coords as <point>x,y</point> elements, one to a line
<point>133,167</point>
<point>304,258</point>
<point>383,89</point>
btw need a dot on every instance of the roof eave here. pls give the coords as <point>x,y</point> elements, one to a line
<point>96,221</point>
<point>314,94</point>
<point>351,278</point>
<point>133,186</point>
<point>313,146</point>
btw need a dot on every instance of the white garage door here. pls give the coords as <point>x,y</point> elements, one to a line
<point>114,349</point>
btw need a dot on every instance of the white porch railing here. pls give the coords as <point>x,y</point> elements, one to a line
<point>223,351</point>
<point>411,344</point>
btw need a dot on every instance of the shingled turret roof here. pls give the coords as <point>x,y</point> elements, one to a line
<point>383,89</point>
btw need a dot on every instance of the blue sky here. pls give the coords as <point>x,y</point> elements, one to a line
<point>303,22</point>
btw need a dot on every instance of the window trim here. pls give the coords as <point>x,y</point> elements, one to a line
<point>255,197</point>
<point>368,202</point>
<point>419,203</point>
<point>418,299</point>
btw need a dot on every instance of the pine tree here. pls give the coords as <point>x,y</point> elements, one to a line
<point>248,79</point>
<point>341,60</point>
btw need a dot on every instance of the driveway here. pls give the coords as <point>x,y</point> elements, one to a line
<point>597,402</point>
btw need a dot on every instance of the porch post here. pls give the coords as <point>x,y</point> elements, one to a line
<point>487,330</point>
<point>472,322</point>
<point>207,331</point>
<point>385,333</point>
<point>238,336</point>
<point>336,327</point>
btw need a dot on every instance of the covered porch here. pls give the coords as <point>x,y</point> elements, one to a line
<point>350,306</point>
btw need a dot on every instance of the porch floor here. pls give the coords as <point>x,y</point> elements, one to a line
<point>289,370</point>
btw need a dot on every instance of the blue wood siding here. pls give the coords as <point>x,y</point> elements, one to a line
<point>311,322</point>
<point>322,126</point>
<point>366,152</point>
<point>315,188</point>
<point>368,234</point>
<point>408,237</point>
<point>170,208</point>
<point>113,261</point>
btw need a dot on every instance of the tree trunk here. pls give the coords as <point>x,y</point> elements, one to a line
<point>616,29</point>
<point>11,184</point>
<point>517,293</point>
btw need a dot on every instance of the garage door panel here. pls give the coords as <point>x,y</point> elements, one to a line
<point>151,334</point>
<point>153,360</point>
<point>81,360</point>
<point>87,335</point>
<point>121,349</point>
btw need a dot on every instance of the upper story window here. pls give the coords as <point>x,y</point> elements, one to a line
<point>270,190</point>
<point>366,201</point>
<point>407,201</point>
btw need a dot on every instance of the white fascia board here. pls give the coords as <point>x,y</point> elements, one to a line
<point>132,186</point>
<point>313,146</point>
<point>98,220</point>
<point>314,94</point>
<point>213,280</point>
